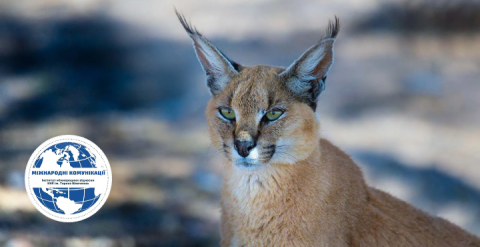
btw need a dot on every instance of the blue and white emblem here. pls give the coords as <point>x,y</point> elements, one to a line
<point>68,178</point>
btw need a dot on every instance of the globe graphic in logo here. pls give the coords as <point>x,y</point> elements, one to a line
<point>66,200</point>
<point>68,153</point>
<point>68,179</point>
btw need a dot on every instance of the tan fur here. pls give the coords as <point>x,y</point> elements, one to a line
<point>319,200</point>
<point>293,188</point>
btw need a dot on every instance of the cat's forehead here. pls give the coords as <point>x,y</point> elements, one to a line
<point>256,86</point>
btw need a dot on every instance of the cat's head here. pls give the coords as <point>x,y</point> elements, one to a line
<point>264,115</point>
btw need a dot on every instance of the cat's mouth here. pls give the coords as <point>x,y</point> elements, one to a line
<point>258,156</point>
<point>246,164</point>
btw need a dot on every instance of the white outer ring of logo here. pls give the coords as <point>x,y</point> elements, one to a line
<point>100,155</point>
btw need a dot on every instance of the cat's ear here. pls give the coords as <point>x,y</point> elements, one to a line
<point>218,68</point>
<point>306,76</point>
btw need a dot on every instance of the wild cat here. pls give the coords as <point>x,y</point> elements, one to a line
<point>283,184</point>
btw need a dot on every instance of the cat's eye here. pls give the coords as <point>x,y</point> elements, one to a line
<point>227,113</point>
<point>273,115</point>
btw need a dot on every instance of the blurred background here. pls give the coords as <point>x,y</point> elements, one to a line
<point>403,99</point>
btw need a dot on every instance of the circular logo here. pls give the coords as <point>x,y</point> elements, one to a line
<point>68,178</point>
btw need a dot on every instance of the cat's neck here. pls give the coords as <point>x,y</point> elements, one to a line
<point>260,201</point>
<point>293,197</point>
<point>244,183</point>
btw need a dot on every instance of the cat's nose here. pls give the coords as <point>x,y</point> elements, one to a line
<point>243,147</point>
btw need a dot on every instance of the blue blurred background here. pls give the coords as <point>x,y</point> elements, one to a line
<point>402,99</point>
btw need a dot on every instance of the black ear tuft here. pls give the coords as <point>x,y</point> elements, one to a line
<point>191,30</point>
<point>333,28</point>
